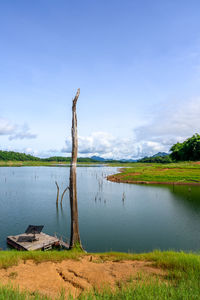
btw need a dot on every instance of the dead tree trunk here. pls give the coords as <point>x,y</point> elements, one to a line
<point>75,235</point>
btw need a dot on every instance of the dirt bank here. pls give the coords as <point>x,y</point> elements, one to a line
<point>75,277</point>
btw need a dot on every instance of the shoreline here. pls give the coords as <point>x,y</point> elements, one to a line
<point>43,164</point>
<point>112,178</point>
<point>160,174</point>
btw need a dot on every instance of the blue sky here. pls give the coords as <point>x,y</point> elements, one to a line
<point>137,63</point>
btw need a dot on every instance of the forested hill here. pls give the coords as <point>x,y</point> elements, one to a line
<point>68,159</point>
<point>17,156</point>
<point>11,155</point>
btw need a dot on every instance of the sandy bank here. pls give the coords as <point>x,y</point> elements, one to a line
<point>75,277</point>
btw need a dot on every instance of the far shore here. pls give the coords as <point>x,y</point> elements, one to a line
<point>43,163</point>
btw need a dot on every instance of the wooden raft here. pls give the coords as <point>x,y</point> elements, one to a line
<point>42,241</point>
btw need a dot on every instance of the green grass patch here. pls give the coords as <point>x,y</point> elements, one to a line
<point>13,257</point>
<point>8,292</point>
<point>150,291</point>
<point>185,173</point>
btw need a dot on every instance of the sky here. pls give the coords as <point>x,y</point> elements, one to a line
<point>136,62</point>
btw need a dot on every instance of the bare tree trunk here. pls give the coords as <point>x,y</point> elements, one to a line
<point>57,192</point>
<point>75,235</point>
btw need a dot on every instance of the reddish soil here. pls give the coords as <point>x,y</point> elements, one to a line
<point>120,179</point>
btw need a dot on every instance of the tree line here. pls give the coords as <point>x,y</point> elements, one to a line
<point>189,150</point>
<point>17,156</point>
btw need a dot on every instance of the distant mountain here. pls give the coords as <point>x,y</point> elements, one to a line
<point>128,160</point>
<point>160,154</point>
<point>98,158</point>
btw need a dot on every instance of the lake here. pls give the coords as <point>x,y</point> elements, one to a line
<point>112,216</point>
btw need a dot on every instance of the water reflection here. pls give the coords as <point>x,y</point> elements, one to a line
<point>187,195</point>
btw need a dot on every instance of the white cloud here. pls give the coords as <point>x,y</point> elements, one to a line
<point>97,142</point>
<point>171,124</point>
<point>6,127</point>
<point>102,144</point>
<point>14,131</point>
<point>22,135</point>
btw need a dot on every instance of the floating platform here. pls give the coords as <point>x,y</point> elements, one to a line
<point>39,241</point>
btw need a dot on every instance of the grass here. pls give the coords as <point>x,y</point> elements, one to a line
<point>9,293</point>
<point>181,173</point>
<point>181,282</point>
<point>26,163</point>
<point>13,257</point>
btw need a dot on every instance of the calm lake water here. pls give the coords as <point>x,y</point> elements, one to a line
<point>112,216</point>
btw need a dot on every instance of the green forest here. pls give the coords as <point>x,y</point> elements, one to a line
<point>189,150</point>
<point>17,156</point>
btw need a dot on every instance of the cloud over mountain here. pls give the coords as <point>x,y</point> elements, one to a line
<point>171,124</point>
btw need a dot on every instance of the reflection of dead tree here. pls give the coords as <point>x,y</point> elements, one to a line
<point>123,197</point>
<point>75,235</point>
<point>63,194</point>
<point>57,192</point>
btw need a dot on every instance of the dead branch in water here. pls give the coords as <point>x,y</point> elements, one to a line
<point>58,190</point>
<point>63,194</point>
